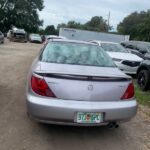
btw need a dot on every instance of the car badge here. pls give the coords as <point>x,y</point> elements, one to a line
<point>90,87</point>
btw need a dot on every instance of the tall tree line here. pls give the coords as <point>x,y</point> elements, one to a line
<point>137,25</point>
<point>96,23</point>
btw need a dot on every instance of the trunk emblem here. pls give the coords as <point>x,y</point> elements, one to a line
<point>90,87</point>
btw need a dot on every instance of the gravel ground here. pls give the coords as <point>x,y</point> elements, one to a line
<point>17,132</point>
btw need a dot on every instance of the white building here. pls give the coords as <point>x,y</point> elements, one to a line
<point>84,35</point>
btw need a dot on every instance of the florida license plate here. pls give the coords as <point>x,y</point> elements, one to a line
<point>83,117</point>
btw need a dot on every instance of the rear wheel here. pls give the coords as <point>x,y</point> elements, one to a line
<point>143,80</point>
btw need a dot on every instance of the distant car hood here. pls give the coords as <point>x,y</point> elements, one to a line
<point>124,56</point>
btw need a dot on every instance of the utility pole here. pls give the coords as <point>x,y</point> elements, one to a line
<point>108,21</point>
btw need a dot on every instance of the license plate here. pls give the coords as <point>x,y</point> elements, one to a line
<point>83,117</point>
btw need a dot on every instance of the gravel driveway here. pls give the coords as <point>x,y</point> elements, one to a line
<point>17,132</point>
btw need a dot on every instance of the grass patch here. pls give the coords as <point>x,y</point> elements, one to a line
<point>142,97</point>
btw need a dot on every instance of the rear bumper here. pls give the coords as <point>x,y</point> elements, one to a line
<point>57,111</point>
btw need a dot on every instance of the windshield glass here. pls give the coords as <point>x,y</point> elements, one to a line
<point>76,54</point>
<point>148,47</point>
<point>110,47</point>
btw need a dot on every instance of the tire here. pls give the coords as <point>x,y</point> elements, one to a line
<point>3,42</point>
<point>143,80</point>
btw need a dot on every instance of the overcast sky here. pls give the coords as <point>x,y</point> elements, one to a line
<point>59,11</point>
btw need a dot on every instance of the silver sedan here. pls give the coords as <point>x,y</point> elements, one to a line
<point>77,83</point>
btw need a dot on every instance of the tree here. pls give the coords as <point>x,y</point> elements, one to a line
<point>73,24</point>
<point>137,25</point>
<point>95,24</point>
<point>20,13</point>
<point>50,30</point>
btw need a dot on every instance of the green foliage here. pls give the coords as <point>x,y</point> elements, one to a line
<point>50,30</point>
<point>20,13</point>
<point>142,97</point>
<point>95,24</point>
<point>137,25</point>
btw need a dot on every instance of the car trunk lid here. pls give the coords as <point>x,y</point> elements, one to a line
<point>86,83</point>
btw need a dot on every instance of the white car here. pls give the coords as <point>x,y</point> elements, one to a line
<point>52,37</point>
<point>125,61</point>
<point>48,37</point>
<point>77,83</point>
<point>36,38</point>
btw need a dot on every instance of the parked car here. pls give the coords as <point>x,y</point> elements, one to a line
<point>51,37</point>
<point>1,37</point>
<point>35,38</point>
<point>125,61</point>
<point>17,35</point>
<point>48,37</point>
<point>143,75</point>
<point>142,49</point>
<point>77,83</point>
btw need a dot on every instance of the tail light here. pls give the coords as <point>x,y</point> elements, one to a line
<point>40,87</point>
<point>129,93</point>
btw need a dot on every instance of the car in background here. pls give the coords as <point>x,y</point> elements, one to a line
<point>1,37</point>
<point>125,61</point>
<point>77,83</point>
<point>51,37</point>
<point>143,75</point>
<point>17,35</point>
<point>141,49</point>
<point>48,37</point>
<point>35,38</point>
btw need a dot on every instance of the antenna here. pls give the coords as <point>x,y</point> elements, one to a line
<point>108,21</point>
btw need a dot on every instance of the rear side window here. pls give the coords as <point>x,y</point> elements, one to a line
<point>76,54</point>
<point>141,47</point>
<point>110,47</point>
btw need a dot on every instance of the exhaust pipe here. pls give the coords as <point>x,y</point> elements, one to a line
<point>112,125</point>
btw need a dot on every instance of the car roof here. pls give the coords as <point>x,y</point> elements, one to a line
<point>55,36</point>
<point>71,41</point>
<point>108,42</point>
<point>103,42</point>
<point>136,42</point>
<point>34,34</point>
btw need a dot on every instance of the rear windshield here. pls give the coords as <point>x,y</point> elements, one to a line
<point>113,47</point>
<point>147,47</point>
<point>76,54</point>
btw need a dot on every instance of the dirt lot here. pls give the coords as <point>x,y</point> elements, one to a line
<point>17,132</point>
